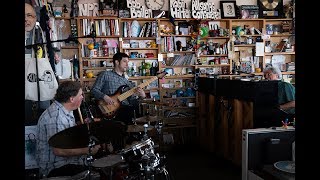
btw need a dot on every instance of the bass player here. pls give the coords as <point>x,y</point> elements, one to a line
<point>109,83</point>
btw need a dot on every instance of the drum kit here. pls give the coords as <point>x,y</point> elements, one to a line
<point>137,161</point>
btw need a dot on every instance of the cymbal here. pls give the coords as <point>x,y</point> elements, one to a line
<point>78,136</point>
<point>138,128</point>
<point>145,119</point>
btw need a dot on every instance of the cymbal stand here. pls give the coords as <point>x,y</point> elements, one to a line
<point>145,136</point>
<point>134,117</point>
<point>159,126</point>
<point>92,141</point>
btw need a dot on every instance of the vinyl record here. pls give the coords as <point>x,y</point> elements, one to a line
<point>270,5</point>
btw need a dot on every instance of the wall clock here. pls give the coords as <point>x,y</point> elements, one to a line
<point>154,4</point>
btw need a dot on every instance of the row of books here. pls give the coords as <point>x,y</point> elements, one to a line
<point>188,59</point>
<point>102,27</point>
<point>149,29</point>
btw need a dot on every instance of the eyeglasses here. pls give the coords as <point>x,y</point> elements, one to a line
<point>268,74</point>
<point>29,16</point>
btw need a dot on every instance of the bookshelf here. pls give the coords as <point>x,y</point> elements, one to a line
<point>138,40</point>
<point>217,53</point>
<point>96,53</point>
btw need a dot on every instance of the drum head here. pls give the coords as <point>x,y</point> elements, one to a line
<point>108,161</point>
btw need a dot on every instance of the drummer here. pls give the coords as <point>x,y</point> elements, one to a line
<point>54,162</point>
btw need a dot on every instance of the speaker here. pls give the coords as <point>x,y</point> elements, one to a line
<point>270,8</point>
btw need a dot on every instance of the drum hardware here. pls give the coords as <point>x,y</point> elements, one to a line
<point>145,136</point>
<point>137,128</point>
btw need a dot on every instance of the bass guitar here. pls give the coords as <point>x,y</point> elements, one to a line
<point>109,110</point>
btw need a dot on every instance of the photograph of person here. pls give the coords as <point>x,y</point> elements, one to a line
<point>228,9</point>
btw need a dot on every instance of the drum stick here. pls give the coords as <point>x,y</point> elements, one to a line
<point>80,115</point>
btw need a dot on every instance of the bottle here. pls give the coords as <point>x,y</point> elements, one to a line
<point>143,69</point>
<point>133,69</point>
<point>75,67</point>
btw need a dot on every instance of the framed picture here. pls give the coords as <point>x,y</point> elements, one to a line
<point>170,71</point>
<point>178,83</point>
<point>228,9</point>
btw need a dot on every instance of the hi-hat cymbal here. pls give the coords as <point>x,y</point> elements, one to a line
<point>78,136</point>
<point>145,119</point>
<point>138,128</point>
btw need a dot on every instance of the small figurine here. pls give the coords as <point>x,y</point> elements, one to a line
<point>65,12</point>
<point>285,124</point>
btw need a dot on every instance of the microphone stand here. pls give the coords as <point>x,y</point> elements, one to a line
<point>92,140</point>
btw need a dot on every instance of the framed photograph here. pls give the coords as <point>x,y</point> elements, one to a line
<point>228,9</point>
<point>178,83</point>
<point>170,71</point>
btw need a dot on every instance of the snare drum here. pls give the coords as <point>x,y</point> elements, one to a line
<point>109,161</point>
<point>133,154</point>
<point>138,149</point>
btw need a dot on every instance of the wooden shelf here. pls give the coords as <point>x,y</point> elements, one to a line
<point>180,98</point>
<point>177,66</point>
<point>213,55</point>
<point>213,65</point>
<point>218,37</point>
<point>142,58</point>
<point>288,72</point>
<point>245,45</point>
<point>140,48</point>
<point>179,76</point>
<point>169,35</point>
<point>96,68</point>
<point>279,53</point>
<point>138,38</point>
<point>141,77</point>
<point>114,36</point>
<point>107,57</point>
<point>69,47</point>
<point>280,35</point>
<point>176,88</point>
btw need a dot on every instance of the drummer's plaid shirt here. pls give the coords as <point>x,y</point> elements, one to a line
<point>53,120</point>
